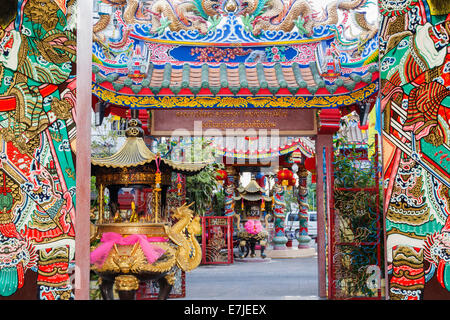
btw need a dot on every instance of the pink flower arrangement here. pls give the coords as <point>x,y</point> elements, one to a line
<point>253,226</point>
<point>152,252</point>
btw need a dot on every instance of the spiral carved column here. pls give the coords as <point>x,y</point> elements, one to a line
<point>229,191</point>
<point>303,238</point>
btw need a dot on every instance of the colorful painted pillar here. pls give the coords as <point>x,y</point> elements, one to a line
<point>303,238</point>
<point>279,240</point>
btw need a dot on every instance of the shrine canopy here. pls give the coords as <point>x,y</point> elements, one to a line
<point>252,192</point>
<point>233,54</point>
<point>135,164</point>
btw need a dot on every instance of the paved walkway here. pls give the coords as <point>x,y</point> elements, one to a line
<point>278,279</point>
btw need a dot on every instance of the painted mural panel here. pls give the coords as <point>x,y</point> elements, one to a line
<point>415,73</point>
<point>37,136</point>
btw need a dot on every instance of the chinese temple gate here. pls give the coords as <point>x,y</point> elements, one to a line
<point>265,56</point>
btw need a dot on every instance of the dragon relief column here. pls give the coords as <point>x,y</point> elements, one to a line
<point>229,191</point>
<point>303,238</point>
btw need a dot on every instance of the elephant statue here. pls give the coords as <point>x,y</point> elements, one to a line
<point>137,253</point>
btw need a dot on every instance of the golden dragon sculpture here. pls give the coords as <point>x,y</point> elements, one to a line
<point>127,261</point>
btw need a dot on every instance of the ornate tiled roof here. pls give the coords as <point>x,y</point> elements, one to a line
<point>232,79</point>
<point>252,192</point>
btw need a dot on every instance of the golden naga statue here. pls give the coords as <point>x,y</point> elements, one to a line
<point>132,252</point>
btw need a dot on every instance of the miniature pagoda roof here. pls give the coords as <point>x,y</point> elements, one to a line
<point>252,192</point>
<point>134,152</point>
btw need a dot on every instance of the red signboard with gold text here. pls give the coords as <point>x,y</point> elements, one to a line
<point>289,122</point>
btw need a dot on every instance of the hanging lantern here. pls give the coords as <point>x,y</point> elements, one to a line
<point>179,185</point>
<point>310,164</point>
<point>263,204</point>
<point>284,176</point>
<point>292,181</point>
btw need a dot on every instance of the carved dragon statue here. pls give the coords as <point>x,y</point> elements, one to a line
<point>126,264</point>
<point>189,253</point>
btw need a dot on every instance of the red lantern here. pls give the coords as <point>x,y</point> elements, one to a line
<point>221,175</point>
<point>284,176</point>
<point>289,174</point>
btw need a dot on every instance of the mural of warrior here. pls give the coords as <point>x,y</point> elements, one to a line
<point>415,69</point>
<point>37,135</point>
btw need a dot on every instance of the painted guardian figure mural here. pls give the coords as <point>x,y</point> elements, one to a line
<point>415,100</point>
<point>37,139</point>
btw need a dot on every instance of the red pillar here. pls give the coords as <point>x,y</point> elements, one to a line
<point>323,142</point>
<point>329,120</point>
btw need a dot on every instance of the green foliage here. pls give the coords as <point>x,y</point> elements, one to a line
<point>214,21</point>
<point>247,21</point>
<point>312,193</point>
<point>165,22</point>
<point>299,23</point>
<point>200,188</point>
<point>348,172</point>
<point>104,140</point>
<point>219,202</point>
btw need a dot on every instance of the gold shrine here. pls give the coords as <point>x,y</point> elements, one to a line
<point>127,262</point>
<point>134,165</point>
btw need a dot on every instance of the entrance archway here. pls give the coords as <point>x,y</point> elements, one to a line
<point>170,72</point>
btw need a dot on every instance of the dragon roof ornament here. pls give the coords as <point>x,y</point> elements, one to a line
<point>141,47</point>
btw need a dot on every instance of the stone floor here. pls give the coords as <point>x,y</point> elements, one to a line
<point>293,278</point>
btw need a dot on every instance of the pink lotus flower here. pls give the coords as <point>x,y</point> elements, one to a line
<point>276,57</point>
<point>253,226</point>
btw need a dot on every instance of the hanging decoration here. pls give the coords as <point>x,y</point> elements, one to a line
<point>179,185</point>
<point>157,188</point>
<point>284,176</point>
<point>221,176</point>
<point>310,165</point>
